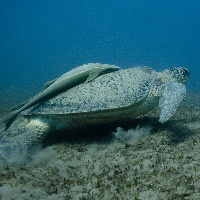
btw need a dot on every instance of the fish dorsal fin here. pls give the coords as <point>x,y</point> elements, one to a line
<point>93,74</point>
<point>46,85</point>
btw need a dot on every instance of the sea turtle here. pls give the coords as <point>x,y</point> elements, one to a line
<point>107,99</point>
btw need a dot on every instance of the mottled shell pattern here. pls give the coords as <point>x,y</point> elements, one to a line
<point>108,91</point>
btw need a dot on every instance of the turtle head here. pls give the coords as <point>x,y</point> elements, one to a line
<point>180,74</point>
<point>175,74</point>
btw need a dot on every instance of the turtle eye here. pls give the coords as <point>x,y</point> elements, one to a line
<point>185,75</point>
<point>187,72</point>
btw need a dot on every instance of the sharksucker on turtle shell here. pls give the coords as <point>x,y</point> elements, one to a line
<point>70,79</point>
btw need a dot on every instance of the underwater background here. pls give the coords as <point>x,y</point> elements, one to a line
<point>140,159</point>
<point>41,40</point>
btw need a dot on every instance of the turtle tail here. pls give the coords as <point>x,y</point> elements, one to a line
<point>8,119</point>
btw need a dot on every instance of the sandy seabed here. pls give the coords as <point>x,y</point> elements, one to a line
<point>141,159</point>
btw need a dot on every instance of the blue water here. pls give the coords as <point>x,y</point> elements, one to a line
<point>41,40</point>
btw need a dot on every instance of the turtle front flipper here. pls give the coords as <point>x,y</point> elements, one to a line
<point>18,140</point>
<point>171,94</point>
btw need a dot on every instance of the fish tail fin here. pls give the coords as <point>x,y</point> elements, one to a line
<point>8,119</point>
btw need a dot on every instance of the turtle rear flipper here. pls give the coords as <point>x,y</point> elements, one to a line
<point>171,94</point>
<point>16,144</point>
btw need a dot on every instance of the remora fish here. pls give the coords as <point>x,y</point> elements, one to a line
<point>68,80</point>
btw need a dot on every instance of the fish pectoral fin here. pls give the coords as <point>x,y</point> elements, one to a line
<point>93,74</point>
<point>46,85</point>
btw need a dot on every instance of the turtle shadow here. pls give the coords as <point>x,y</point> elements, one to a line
<point>177,132</point>
<point>104,134</point>
<point>90,134</point>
